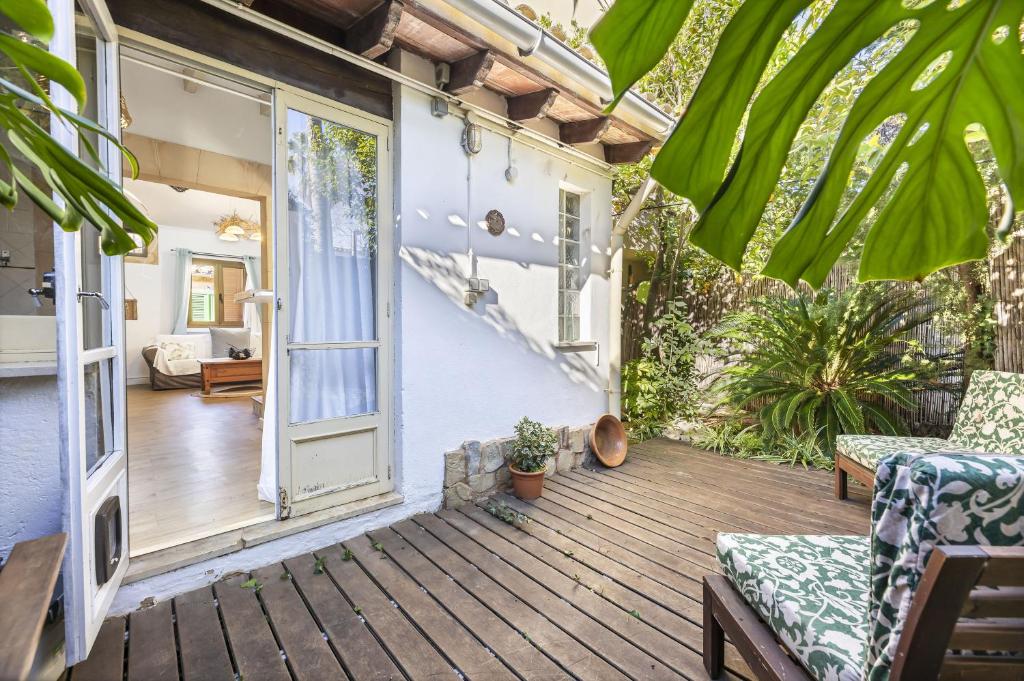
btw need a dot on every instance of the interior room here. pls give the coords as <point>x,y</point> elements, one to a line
<point>196,334</point>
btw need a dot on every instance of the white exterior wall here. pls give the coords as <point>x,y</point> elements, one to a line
<point>471,373</point>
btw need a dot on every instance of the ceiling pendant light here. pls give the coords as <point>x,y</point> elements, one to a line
<point>234,227</point>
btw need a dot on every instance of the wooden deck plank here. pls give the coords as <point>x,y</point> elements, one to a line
<point>603,541</point>
<point>603,637</point>
<point>361,654</point>
<point>414,653</point>
<point>152,653</point>
<point>655,532</point>
<point>676,556</point>
<point>714,519</point>
<point>257,653</point>
<point>752,501</point>
<point>467,653</point>
<point>463,591</point>
<point>527,660</point>
<point>572,655</point>
<point>106,661</point>
<point>306,652</point>
<point>204,652</point>
<point>661,631</point>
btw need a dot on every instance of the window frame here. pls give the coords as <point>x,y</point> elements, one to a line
<point>564,266</point>
<point>219,265</point>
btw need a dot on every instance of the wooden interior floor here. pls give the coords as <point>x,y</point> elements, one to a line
<point>604,582</point>
<point>193,465</point>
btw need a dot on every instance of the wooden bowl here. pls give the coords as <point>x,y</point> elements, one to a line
<point>608,441</point>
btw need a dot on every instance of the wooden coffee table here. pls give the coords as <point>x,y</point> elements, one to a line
<point>226,370</point>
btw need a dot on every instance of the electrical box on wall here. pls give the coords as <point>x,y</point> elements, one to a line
<point>109,543</point>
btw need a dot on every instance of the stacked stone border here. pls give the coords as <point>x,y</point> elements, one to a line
<point>477,470</point>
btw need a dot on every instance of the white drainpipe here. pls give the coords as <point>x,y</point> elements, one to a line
<point>615,297</point>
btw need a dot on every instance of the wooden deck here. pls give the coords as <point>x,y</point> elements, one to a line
<point>604,582</point>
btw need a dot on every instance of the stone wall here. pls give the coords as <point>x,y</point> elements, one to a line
<point>479,469</point>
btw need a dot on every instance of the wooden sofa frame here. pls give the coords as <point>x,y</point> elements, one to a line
<point>846,468</point>
<point>969,598</point>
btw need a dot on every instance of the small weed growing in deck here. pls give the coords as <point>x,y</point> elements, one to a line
<point>253,584</point>
<point>635,613</point>
<point>507,514</point>
<point>346,555</point>
<point>318,566</point>
<point>377,546</point>
<point>357,610</point>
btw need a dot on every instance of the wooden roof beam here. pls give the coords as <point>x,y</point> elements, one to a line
<point>584,132</point>
<point>374,34</point>
<point>630,152</point>
<point>469,73</point>
<point>531,105</point>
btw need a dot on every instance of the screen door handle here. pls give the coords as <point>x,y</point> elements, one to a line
<point>94,294</point>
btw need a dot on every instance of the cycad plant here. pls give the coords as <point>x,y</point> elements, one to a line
<point>825,364</point>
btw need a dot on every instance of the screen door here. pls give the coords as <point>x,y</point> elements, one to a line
<point>333,241</point>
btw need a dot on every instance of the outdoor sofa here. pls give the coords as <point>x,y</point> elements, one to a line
<point>946,528</point>
<point>991,419</point>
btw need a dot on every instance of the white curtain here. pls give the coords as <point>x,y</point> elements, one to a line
<point>251,312</point>
<point>182,290</point>
<point>331,265</point>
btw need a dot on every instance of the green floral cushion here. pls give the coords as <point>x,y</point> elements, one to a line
<point>811,590</point>
<point>921,501</point>
<point>868,450</point>
<point>991,417</point>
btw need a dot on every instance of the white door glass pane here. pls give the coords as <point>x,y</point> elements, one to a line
<point>97,379</point>
<point>332,231</point>
<point>332,382</point>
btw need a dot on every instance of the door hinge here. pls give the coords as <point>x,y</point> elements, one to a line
<point>286,510</point>
<point>389,471</point>
<point>279,304</point>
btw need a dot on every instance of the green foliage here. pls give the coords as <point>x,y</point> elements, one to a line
<point>661,385</point>
<point>732,437</point>
<point>253,584</point>
<point>507,514</point>
<point>945,71</point>
<point>318,565</point>
<point>533,444</point>
<point>825,365</point>
<point>26,107</point>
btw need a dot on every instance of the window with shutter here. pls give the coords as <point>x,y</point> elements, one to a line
<point>214,284</point>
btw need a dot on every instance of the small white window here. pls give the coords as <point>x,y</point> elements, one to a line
<point>569,276</point>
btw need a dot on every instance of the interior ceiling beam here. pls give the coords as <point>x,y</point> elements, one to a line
<point>584,132</point>
<point>469,73</point>
<point>531,105</point>
<point>630,152</point>
<point>374,34</point>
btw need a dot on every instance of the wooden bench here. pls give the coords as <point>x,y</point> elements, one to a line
<point>27,581</point>
<point>971,598</point>
<point>941,573</point>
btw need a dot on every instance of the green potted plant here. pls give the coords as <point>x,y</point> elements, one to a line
<point>528,455</point>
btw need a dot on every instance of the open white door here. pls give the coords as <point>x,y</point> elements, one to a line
<point>90,354</point>
<point>333,245</point>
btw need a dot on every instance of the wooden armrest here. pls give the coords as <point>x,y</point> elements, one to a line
<point>26,589</point>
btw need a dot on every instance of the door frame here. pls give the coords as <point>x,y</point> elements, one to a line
<point>85,603</point>
<point>286,97</point>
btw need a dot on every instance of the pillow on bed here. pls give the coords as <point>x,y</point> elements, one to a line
<point>222,338</point>
<point>174,350</point>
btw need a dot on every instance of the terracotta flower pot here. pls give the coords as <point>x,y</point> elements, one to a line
<point>527,486</point>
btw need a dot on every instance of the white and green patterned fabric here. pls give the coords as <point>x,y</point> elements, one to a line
<point>839,603</point>
<point>811,590</point>
<point>921,501</point>
<point>868,450</point>
<point>991,419</point>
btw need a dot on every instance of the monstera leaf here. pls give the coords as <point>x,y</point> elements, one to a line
<point>84,193</point>
<point>960,69</point>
